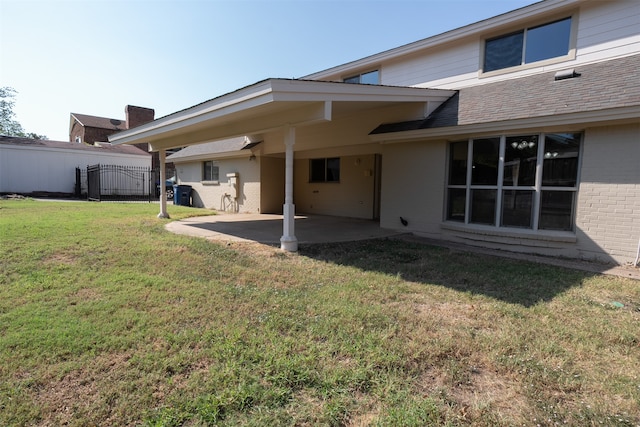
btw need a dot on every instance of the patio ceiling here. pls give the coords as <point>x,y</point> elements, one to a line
<point>272,104</point>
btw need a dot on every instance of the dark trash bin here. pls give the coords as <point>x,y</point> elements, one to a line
<point>182,195</point>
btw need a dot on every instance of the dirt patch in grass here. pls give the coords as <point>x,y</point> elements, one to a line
<point>483,392</point>
<point>61,259</point>
<point>81,394</point>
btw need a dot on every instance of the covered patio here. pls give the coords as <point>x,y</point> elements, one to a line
<point>283,110</point>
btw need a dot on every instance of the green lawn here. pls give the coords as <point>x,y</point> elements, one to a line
<point>107,319</point>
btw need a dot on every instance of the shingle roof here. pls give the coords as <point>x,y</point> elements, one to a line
<point>100,122</point>
<point>604,85</point>
<point>217,147</point>
<point>102,147</point>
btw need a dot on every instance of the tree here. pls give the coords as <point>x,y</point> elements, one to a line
<point>8,124</point>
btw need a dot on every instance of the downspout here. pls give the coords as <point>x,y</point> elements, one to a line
<point>635,263</point>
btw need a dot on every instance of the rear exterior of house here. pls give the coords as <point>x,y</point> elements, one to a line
<point>526,136</point>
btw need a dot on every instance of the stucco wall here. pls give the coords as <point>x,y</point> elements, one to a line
<point>608,214</point>
<point>212,196</point>
<point>352,197</point>
<point>413,187</point>
<point>28,169</point>
<point>272,171</point>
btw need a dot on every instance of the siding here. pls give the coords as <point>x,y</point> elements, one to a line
<point>602,36</point>
<point>605,30</point>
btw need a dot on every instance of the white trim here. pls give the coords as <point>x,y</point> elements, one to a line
<point>263,106</point>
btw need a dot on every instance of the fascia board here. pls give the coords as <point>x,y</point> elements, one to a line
<point>581,119</point>
<point>268,92</point>
<point>249,97</point>
<point>506,19</point>
<point>312,91</point>
<point>73,116</point>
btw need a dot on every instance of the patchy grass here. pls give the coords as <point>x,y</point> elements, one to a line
<point>107,319</point>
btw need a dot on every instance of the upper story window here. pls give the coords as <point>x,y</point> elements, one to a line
<point>324,170</point>
<point>368,78</point>
<point>532,44</point>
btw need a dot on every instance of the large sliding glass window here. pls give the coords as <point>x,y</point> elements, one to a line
<point>523,181</point>
<point>529,45</point>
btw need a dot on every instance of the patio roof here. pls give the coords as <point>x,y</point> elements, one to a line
<point>272,104</point>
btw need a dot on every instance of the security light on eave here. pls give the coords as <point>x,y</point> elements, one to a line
<point>566,74</point>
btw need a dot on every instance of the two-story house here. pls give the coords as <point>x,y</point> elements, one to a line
<point>519,132</point>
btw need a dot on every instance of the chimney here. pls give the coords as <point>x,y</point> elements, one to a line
<point>137,116</point>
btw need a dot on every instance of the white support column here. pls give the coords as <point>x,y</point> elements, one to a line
<point>163,192</point>
<point>288,241</point>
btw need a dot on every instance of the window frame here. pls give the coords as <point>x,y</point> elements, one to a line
<point>571,54</point>
<point>359,76</point>
<point>326,170</point>
<point>537,189</point>
<point>214,165</point>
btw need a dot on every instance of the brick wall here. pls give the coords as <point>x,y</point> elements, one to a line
<point>608,214</point>
<point>136,116</point>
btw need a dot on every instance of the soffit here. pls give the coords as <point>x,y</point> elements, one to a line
<point>269,105</point>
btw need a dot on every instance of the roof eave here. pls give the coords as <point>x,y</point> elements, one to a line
<point>303,101</point>
<point>565,122</point>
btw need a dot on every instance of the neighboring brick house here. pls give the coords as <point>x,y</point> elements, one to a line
<point>87,129</point>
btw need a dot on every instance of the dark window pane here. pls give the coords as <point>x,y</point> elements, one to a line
<point>458,163</point>
<point>354,79</point>
<point>333,169</point>
<point>370,78</point>
<point>208,172</point>
<point>556,210</point>
<point>503,52</point>
<point>483,206</point>
<point>485,161</point>
<point>560,168</point>
<point>516,208</point>
<point>548,41</point>
<point>520,156</point>
<point>317,170</point>
<point>456,204</point>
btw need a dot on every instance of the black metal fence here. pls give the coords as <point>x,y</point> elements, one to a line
<point>116,183</point>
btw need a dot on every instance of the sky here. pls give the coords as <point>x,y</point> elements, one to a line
<point>97,56</point>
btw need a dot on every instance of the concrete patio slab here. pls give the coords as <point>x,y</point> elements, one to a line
<point>267,229</point>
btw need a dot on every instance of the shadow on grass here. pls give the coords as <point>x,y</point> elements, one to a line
<point>513,281</point>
